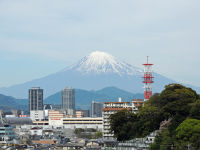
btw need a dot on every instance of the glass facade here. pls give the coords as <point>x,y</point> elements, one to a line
<point>68,100</point>
<point>96,109</point>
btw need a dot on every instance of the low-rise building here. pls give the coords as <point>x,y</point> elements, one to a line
<point>37,115</point>
<point>137,102</point>
<point>44,122</point>
<point>82,113</point>
<point>6,133</point>
<point>36,131</point>
<point>79,114</point>
<point>55,117</point>
<point>85,122</point>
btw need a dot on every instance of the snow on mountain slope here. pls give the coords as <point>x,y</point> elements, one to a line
<point>101,62</point>
<point>95,71</point>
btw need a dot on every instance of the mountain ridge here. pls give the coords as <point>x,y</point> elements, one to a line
<point>93,72</point>
<point>84,98</point>
<point>9,103</point>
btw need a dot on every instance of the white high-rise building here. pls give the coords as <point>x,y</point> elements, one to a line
<point>111,108</point>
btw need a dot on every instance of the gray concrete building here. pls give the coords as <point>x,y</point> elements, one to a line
<point>68,100</point>
<point>35,99</point>
<point>96,109</point>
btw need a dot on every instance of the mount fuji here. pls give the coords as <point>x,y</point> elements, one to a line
<point>95,71</point>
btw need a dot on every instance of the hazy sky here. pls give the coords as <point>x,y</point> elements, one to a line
<point>40,37</point>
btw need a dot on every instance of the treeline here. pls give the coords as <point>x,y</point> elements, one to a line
<point>175,112</point>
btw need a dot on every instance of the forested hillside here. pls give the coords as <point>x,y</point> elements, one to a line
<point>178,106</point>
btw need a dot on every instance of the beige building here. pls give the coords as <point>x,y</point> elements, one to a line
<point>56,117</point>
<point>79,114</point>
<point>82,113</point>
<point>137,102</point>
<point>86,122</point>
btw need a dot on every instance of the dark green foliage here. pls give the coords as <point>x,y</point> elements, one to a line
<point>176,102</point>
<point>121,124</point>
<point>88,133</point>
<point>188,132</point>
<point>78,131</point>
<point>195,110</point>
<point>164,141</point>
<point>148,120</point>
<point>98,135</point>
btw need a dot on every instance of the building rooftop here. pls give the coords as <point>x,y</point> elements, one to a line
<point>140,100</point>
<point>18,121</point>
<point>35,88</point>
<point>114,109</point>
<point>115,102</point>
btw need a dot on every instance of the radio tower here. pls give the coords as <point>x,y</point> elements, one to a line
<point>148,80</point>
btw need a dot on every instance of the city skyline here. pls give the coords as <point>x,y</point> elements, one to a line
<point>41,38</point>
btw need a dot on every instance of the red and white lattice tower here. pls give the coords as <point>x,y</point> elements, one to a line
<point>148,80</point>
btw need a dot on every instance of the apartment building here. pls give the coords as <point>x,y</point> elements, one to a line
<point>111,108</point>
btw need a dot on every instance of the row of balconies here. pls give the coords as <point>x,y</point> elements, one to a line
<point>116,104</point>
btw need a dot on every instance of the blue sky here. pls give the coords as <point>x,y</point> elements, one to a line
<point>38,38</point>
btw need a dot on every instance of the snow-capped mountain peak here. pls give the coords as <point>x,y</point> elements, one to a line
<point>98,58</point>
<point>101,62</point>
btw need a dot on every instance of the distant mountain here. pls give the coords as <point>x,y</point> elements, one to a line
<point>8,103</point>
<point>84,98</point>
<point>93,72</point>
<point>116,93</point>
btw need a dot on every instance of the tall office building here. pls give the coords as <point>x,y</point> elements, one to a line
<point>68,100</point>
<point>35,98</point>
<point>96,109</point>
<point>36,103</point>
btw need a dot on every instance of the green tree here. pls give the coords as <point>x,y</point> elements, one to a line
<point>121,123</point>
<point>188,132</point>
<point>195,110</point>
<point>98,135</point>
<point>163,141</point>
<point>78,131</point>
<point>175,103</point>
<point>148,120</point>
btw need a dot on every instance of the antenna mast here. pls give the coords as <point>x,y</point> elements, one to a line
<point>148,80</point>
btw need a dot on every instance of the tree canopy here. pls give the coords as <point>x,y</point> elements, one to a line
<point>188,132</point>
<point>175,103</point>
<point>121,124</point>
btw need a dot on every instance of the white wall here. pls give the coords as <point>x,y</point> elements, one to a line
<point>36,115</point>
